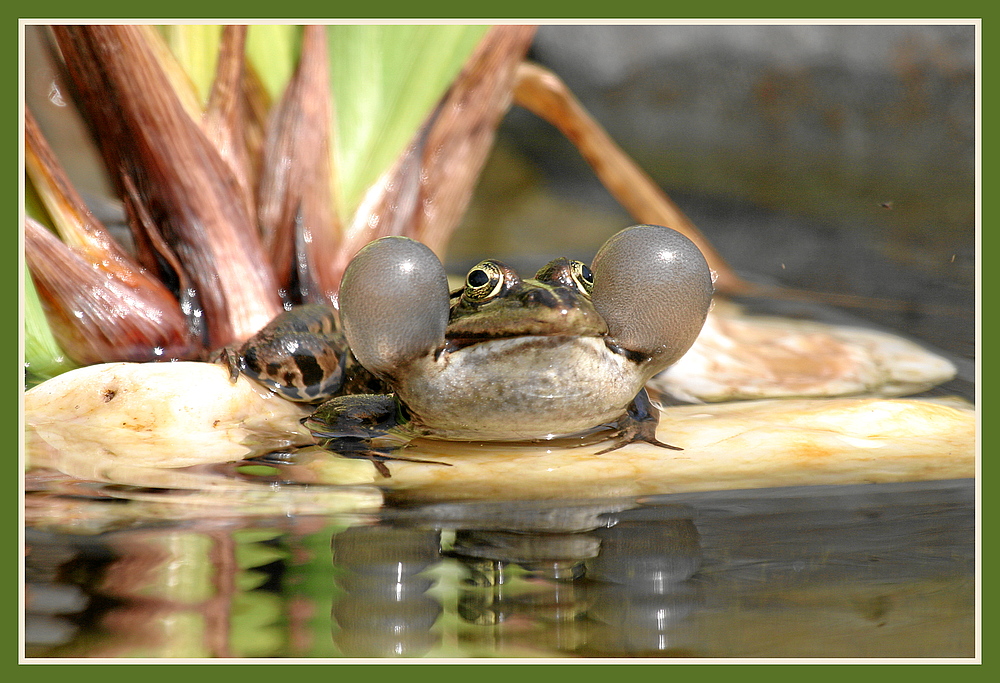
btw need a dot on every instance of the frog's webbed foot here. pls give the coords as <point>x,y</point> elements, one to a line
<point>638,424</point>
<point>360,426</point>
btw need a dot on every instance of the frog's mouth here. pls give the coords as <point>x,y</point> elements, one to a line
<point>457,343</point>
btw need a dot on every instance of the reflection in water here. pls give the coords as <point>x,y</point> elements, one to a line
<point>193,590</point>
<point>852,571</point>
<point>521,590</point>
<point>385,610</point>
<point>641,583</point>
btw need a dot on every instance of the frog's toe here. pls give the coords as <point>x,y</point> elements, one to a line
<point>230,358</point>
<point>638,424</point>
<point>634,431</point>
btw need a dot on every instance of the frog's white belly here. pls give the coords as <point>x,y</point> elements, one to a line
<point>522,388</point>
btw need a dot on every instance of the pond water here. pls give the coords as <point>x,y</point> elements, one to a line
<point>882,570</point>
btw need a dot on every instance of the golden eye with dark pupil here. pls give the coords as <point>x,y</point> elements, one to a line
<point>583,277</point>
<point>483,282</point>
<point>477,278</point>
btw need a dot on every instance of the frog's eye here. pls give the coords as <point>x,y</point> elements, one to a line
<point>583,277</point>
<point>563,272</point>
<point>485,281</point>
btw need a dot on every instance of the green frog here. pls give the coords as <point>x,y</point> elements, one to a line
<point>564,353</point>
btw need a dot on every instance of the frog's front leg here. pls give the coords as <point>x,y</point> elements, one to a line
<point>362,416</point>
<point>365,426</point>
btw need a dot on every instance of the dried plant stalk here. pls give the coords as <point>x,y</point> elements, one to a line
<point>189,190</point>
<point>256,108</point>
<point>544,94</point>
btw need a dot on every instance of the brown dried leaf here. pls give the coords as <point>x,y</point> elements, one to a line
<point>81,230</point>
<point>256,107</point>
<point>225,118</point>
<point>181,84</point>
<point>70,215</point>
<point>294,201</point>
<point>154,250</point>
<point>189,189</point>
<point>95,315</point>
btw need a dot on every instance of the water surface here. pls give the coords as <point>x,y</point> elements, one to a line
<point>881,570</point>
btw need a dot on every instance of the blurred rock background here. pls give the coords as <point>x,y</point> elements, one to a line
<point>831,158</point>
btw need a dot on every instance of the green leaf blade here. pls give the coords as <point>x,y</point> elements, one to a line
<point>196,48</point>
<point>43,357</point>
<point>273,51</point>
<point>385,80</point>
